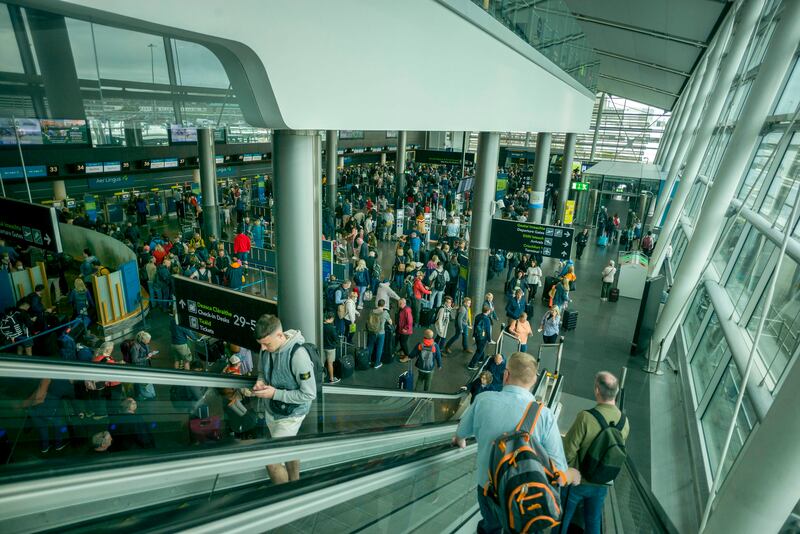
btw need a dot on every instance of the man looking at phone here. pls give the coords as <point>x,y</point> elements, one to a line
<point>286,386</point>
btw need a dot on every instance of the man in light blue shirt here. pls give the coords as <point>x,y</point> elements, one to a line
<point>496,412</point>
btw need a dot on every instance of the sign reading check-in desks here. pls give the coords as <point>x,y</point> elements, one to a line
<point>532,238</point>
<point>220,312</point>
<point>29,225</point>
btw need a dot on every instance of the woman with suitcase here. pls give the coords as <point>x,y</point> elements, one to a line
<point>608,279</point>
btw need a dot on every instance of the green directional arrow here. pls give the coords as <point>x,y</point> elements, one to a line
<point>580,186</point>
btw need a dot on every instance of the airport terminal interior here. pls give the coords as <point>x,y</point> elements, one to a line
<point>320,266</point>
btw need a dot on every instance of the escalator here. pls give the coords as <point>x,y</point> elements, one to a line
<point>371,461</point>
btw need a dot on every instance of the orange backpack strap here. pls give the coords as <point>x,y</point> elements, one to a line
<point>530,417</point>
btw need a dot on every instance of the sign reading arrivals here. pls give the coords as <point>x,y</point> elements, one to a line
<point>29,225</point>
<point>532,238</point>
<point>220,312</point>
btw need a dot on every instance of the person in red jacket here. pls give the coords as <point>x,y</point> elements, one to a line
<point>405,328</point>
<point>241,245</point>
<point>420,292</point>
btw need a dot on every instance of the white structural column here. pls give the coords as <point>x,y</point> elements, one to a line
<point>482,207</point>
<point>682,129</point>
<point>297,164</point>
<point>672,124</point>
<point>542,166</point>
<point>745,23</point>
<point>761,489</point>
<point>695,112</point>
<point>566,174</point>
<point>777,60</point>
<point>600,108</point>
<point>59,190</point>
<point>400,168</point>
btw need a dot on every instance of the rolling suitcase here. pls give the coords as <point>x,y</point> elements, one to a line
<point>361,354</point>
<point>206,429</point>
<point>427,316</point>
<point>602,241</point>
<point>613,295</point>
<point>570,320</point>
<point>345,362</point>
<point>406,379</point>
<point>388,345</point>
<point>529,309</point>
<point>549,282</point>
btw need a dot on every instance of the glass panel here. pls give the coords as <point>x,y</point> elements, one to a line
<point>779,340</point>
<point>739,98</point>
<point>695,315</point>
<point>679,244</point>
<point>790,97</point>
<point>197,66</point>
<point>714,155</point>
<point>717,419</point>
<point>756,175</point>
<point>748,268</point>
<point>711,350</point>
<point>10,60</point>
<point>725,249</point>
<point>782,193</point>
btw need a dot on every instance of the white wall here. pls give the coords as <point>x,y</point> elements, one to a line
<point>377,64</point>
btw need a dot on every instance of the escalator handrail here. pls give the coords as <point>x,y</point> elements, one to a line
<point>31,496</point>
<point>31,367</point>
<point>279,512</point>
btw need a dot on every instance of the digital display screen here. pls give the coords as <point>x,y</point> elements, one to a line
<point>64,132</point>
<point>92,168</point>
<point>351,134</point>
<point>182,134</point>
<point>112,166</point>
<point>29,130</point>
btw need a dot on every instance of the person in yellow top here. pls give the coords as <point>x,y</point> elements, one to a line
<point>521,329</point>
<point>578,443</point>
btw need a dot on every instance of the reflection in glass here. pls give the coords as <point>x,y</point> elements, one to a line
<point>717,419</point>
<point>748,268</point>
<point>781,334</point>
<point>10,60</point>
<point>754,179</point>
<point>790,98</point>
<point>711,351</point>
<point>782,193</point>
<point>695,315</point>
<point>725,249</point>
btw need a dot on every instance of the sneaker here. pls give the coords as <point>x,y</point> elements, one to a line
<point>360,307</point>
<point>468,351</point>
<point>62,446</point>
<point>45,450</point>
<point>335,380</point>
<point>472,367</point>
<point>403,360</point>
<point>380,364</point>
<point>493,342</point>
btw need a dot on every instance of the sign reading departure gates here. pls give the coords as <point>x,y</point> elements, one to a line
<point>29,225</point>
<point>532,238</point>
<point>220,312</point>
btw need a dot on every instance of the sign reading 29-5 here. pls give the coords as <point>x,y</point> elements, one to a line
<point>219,312</point>
<point>532,238</point>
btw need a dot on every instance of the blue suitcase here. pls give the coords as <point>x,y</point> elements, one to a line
<point>406,379</point>
<point>602,241</point>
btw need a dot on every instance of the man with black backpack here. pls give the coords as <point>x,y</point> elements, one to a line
<point>428,356</point>
<point>289,376</point>
<point>595,445</point>
<point>510,424</point>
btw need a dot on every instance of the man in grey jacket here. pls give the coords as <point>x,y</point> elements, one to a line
<point>286,386</point>
<point>442,323</point>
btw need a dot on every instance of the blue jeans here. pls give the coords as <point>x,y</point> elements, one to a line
<point>489,524</point>
<point>592,497</point>
<point>480,347</point>
<point>375,347</point>
<point>459,333</point>
<point>436,298</point>
<point>361,290</point>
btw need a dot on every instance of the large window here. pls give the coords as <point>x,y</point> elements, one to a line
<point>9,58</point>
<point>754,179</point>
<point>791,93</point>
<point>730,238</point>
<point>748,268</point>
<point>695,315</point>
<point>782,193</point>
<point>717,419</point>
<point>711,350</point>
<point>779,340</point>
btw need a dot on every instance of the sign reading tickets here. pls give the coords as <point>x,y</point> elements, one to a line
<point>569,212</point>
<point>29,225</point>
<point>220,312</point>
<point>532,238</point>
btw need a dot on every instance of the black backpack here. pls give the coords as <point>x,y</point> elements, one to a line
<point>439,283</point>
<point>606,455</point>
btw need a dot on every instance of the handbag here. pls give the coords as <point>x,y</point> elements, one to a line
<point>367,295</point>
<point>352,328</point>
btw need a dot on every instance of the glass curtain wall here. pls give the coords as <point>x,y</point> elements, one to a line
<point>744,261</point>
<point>128,81</point>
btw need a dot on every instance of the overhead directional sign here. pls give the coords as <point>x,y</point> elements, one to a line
<point>220,312</point>
<point>29,225</point>
<point>532,238</point>
<point>580,186</point>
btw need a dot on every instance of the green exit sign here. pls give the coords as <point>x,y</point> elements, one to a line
<point>580,186</point>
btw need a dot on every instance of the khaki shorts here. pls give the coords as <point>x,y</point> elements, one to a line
<point>330,355</point>
<point>284,427</point>
<point>181,353</point>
